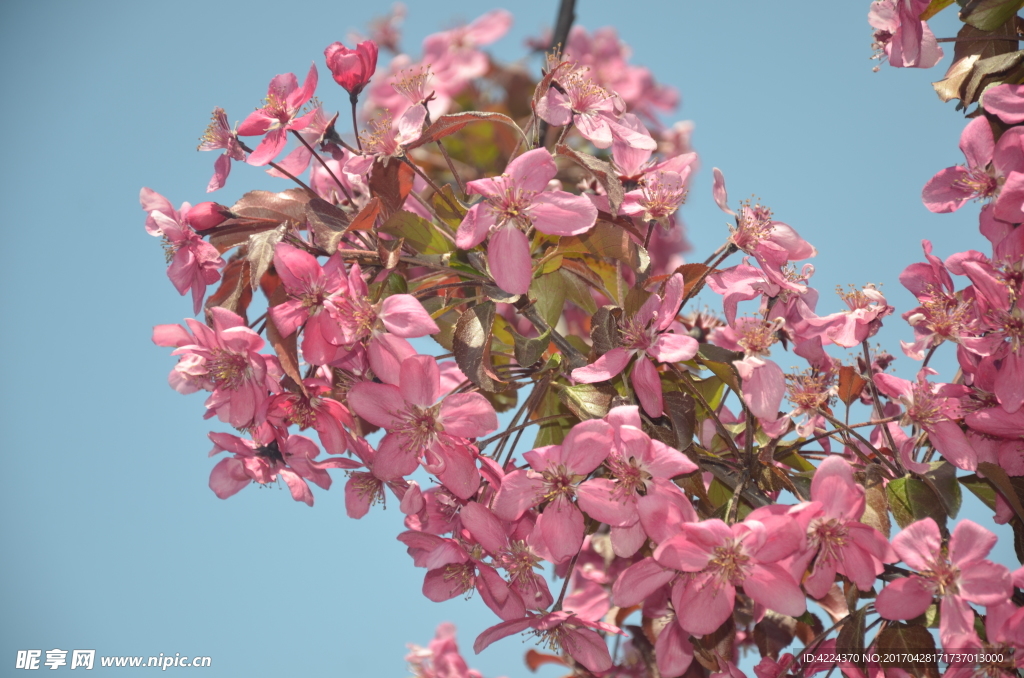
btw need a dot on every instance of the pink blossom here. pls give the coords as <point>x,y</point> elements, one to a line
<point>365,488</point>
<point>764,383</point>
<point>224,360</point>
<point>193,263</point>
<point>722,558</point>
<point>837,540</point>
<point>593,110</point>
<point>325,415</point>
<point>441,658</point>
<point>293,460</point>
<point>849,328</point>
<point>639,470</point>
<point>647,335</point>
<point>455,54</point>
<point>560,630</point>
<point>901,35</point>
<point>219,135</point>
<point>554,475</point>
<point>297,161</point>
<point>994,171</point>
<point>935,408</point>
<point>280,113</point>
<point>352,68</point>
<point>387,139</point>
<point>420,427</point>
<point>771,242</point>
<point>958,575</point>
<point>1005,101</point>
<point>513,203</point>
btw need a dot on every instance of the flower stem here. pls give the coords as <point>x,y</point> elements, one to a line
<point>354,99</point>
<point>323,164</point>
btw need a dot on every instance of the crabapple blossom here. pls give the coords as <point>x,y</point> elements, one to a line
<point>352,68</point>
<point>279,114</point>
<point>217,136</point>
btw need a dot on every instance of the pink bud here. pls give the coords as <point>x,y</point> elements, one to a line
<point>352,68</point>
<point>207,215</point>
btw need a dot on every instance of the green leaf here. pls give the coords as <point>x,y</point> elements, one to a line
<point>911,500</point>
<point>934,7</point>
<point>981,489</point>
<point>578,292</point>
<point>471,345</point>
<point>529,351</point>
<point>943,479</point>
<point>587,401</point>
<point>549,291</point>
<point>419,234</point>
<point>1011,489</point>
<point>989,15</point>
<point>900,639</point>
<point>607,240</point>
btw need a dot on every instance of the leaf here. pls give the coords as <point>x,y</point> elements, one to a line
<point>998,476</point>
<point>876,509</point>
<point>681,409</point>
<point>286,348</point>
<point>443,207</point>
<point>604,329</point>
<point>287,205</point>
<point>851,636</point>
<point>534,660</point>
<point>602,170</point>
<point>327,222</point>
<point>692,273</point>
<point>419,234</point>
<point>774,633</point>
<point>471,345</point>
<point>943,482</point>
<point>453,122</point>
<point>607,240</point>
<point>952,86</point>
<point>548,292</point>
<point>991,71</point>
<point>529,351</point>
<point>587,401</point>
<point>982,489</point>
<point>392,183</point>
<point>850,385</point>
<point>577,291</point>
<point>233,294</point>
<point>985,46</point>
<point>389,251</point>
<point>988,15</point>
<point>933,8</point>
<point>367,216</point>
<point>899,639</point>
<point>261,252</point>
<point>911,500</point>
<point>551,432</point>
<point>719,361</point>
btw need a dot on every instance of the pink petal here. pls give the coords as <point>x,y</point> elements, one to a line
<point>597,497</point>
<point>386,353</point>
<point>269,147</point>
<point>1005,101</point>
<point>673,348</point>
<point>586,446</point>
<point>468,415</point>
<point>588,648</point>
<point>380,404</point>
<point>502,630</point>
<point>508,256</point>
<point>985,583</point>
<point>701,607</point>
<point>561,528</point>
<point>770,585</point>
<point>719,192</point>
<point>904,598</point>
<point>647,384</point>
<point>977,142</point>
<point>519,492</point>
<point>420,380</point>
<point>561,213</point>
<point>639,581</point>
<point>533,170</point>
<point>484,526</point>
<point>673,651</point>
<point>475,225</point>
<point>228,477</point>
<point>604,368</point>
<point>946,191</point>
<point>918,544</point>
<point>404,316</point>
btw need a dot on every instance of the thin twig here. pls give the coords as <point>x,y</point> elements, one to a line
<point>324,165</point>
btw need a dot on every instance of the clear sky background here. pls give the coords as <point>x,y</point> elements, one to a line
<point>111,538</point>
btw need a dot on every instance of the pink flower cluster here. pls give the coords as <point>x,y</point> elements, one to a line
<point>665,452</point>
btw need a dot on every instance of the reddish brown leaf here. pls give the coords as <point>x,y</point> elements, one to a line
<point>261,250</point>
<point>453,122</point>
<point>233,294</point>
<point>850,385</point>
<point>327,222</point>
<point>392,184</point>
<point>364,220</point>
<point>534,660</point>
<point>692,276</point>
<point>286,348</point>
<point>602,171</point>
<point>389,252</point>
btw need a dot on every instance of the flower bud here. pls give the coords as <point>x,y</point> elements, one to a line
<point>207,215</point>
<point>352,68</point>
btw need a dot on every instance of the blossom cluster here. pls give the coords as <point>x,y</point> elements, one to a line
<point>679,475</point>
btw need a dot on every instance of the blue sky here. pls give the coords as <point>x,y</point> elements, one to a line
<point>112,539</point>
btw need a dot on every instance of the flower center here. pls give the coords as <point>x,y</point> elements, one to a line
<point>730,564</point>
<point>228,370</point>
<point>828,535</point>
